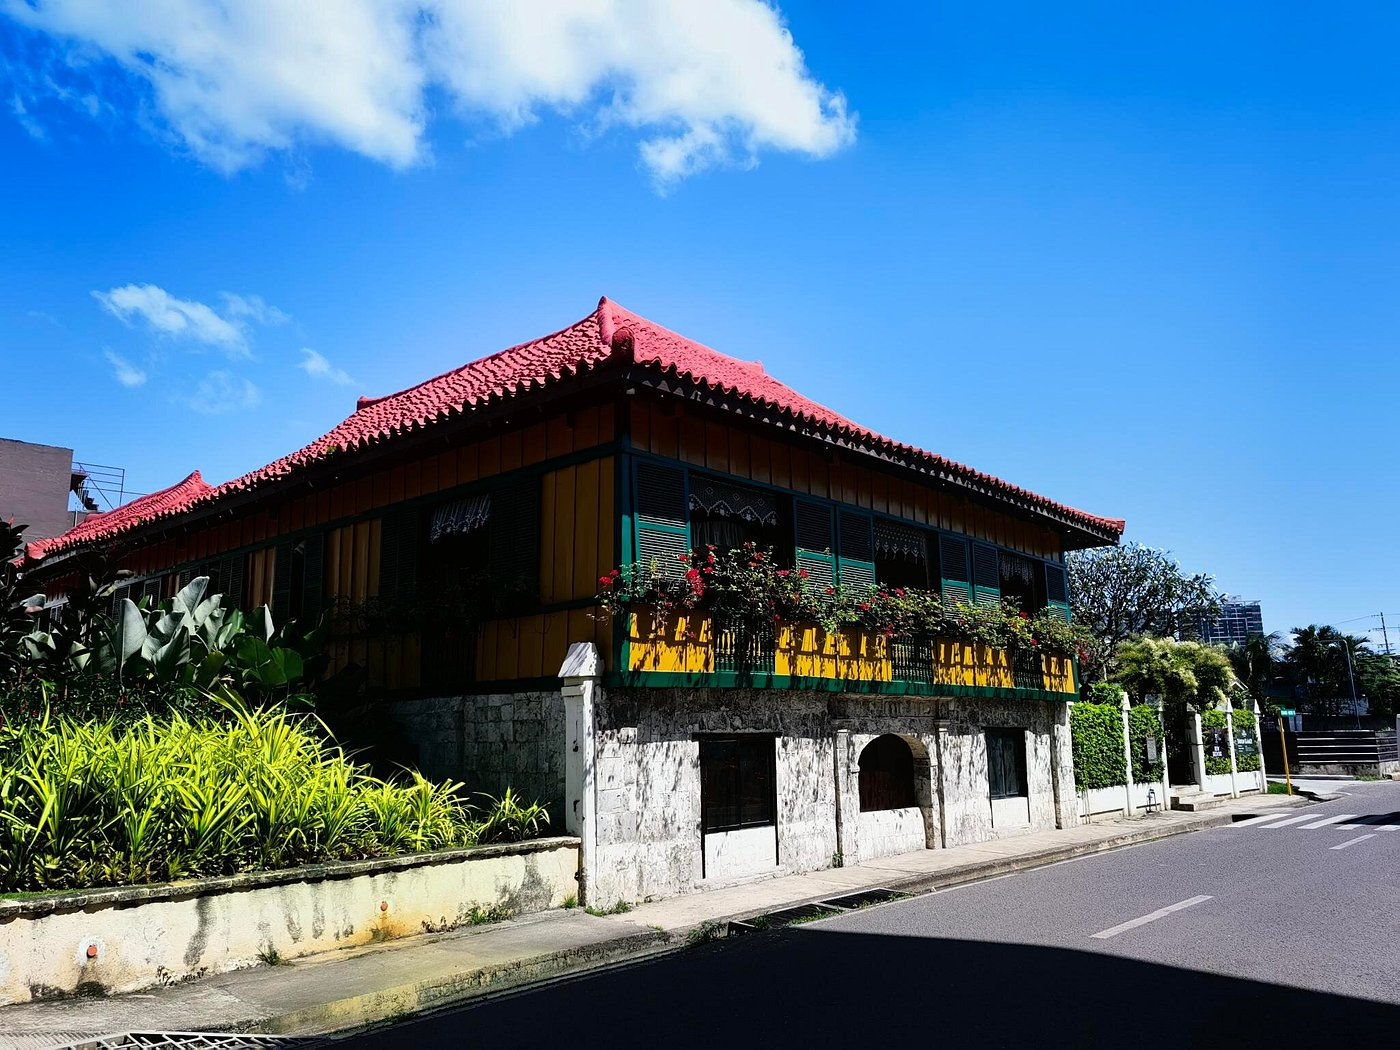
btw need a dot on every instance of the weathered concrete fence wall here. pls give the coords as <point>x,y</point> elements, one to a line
<point>120,940</point>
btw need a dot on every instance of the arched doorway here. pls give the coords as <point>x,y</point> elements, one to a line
<point>887,775</point>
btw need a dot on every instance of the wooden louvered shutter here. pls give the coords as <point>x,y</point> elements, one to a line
<point>856,563</point>
<point>986,574</point>
<point>953,563</point>
<point>231,581</point>
<point>661,525</point>
<point>313,573</point>
<point>282,584</point>
<point>398,557</point>
<point>1056,592</point>
<point>813,530</point>
<point>513,538</point>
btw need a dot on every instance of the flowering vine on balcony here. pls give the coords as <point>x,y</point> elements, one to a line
<point>749,587</point>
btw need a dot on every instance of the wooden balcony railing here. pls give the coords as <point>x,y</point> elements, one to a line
<point>692,648</point>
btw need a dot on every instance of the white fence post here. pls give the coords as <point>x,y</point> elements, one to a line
<point>582,675</point>
<point>1198,748</point>
<point>1230,732</point>
<point>1262,775</point>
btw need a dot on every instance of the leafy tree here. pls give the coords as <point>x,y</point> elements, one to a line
<point>1121,592</point>
<point>1258,664</point>
<point>1317,667</point>
<point>1187,674</point>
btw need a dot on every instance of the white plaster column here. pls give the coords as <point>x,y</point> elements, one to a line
<point>1128,755</point>
<point>1198,748</point>
<point>847,799</point>
<point>582,673</point>
<point>940,733</point>
<point>1062,769</point>
<point>1230,733</point>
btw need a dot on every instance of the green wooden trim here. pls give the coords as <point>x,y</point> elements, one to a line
<point>732,680</point>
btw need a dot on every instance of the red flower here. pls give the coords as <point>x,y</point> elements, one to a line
<point>864,606</point>
<point>883,594</point>
<point>692,574</point>
<point>605,581</point>
<point>616,573</point>
<point>782,572</point>
<point>899,592</point>
<point>709,546</point>
<point>802,573</point>
<point>1034,642</point>
<point>707,570</point>
<point>1024,615</point>
<point>831,590</point>
<point>777,618</point>
<point>683,557</point>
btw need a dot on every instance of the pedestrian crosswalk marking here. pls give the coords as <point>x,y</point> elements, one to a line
<point>1254,820</point>
<point>1353,842</point>
<point>1285,823</point>
<point>1330,820</point>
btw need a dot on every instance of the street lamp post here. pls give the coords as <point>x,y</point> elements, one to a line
<point>1351,677</point>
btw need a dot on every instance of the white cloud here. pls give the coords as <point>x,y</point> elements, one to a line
<point>318,367</point>
<point>220,393</point>
<point>190,319</point>
<point>127,374</point>
<point>21,113</point>
<point>703,82</point>
<point>253,308</point>
<point>180,318</point>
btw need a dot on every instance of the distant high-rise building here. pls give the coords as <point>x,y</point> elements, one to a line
<point>1237,623</point>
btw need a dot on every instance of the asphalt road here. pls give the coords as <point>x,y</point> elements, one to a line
<point>1243,936</point>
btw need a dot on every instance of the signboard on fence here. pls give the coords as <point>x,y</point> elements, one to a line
<point>1245,744</point>
<point>1216,743</point>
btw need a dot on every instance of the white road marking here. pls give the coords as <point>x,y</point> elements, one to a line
<point>1152,916</point>
<point>1387,827</point>
<point>1290,820</point>
<point>1254,820</point>
<point>1330,820</point>
<point>1353,842</point>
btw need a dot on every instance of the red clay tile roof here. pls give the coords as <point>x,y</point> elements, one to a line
<point>610,334</point>
<point>109,524</point>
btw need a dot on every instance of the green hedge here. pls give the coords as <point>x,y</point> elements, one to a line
<point>1143,723</point>
<point>1096,733</point>
<point>1244,720</point>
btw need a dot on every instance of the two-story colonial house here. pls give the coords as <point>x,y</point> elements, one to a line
<point>457,531</point>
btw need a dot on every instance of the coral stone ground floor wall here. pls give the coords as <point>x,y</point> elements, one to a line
<point>673,790</point>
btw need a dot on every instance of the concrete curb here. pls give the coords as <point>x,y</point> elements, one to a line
<point>387,1004</point>
<point>364,1011</point>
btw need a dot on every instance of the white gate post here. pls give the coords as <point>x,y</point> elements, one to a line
<point>1261,776</point>
<point>1198,748</point>
<point>582,675</point>
<point>1127,754</point>
<point>1230,732</point>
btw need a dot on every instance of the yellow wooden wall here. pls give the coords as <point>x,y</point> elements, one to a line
<point>669,430</point>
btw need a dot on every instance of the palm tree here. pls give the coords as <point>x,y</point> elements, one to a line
<point>1258,663</point>
<point>1317,663</point>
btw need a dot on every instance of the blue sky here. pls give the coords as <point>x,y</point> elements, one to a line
<point>1140,259</point>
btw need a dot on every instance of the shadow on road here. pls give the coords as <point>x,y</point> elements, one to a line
<point>811,986</point>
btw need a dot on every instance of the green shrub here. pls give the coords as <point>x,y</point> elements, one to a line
<point>104,804</point>
<point>1096,734</point>
<point>1143,723</point>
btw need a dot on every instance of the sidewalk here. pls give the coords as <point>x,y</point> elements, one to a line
<point>347,989</point>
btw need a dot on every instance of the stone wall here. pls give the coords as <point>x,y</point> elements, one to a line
<point>488,741</point>
<point>99,942</point>
<point>647,779</point>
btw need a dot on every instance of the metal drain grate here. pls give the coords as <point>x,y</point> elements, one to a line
<point>190,1041</point>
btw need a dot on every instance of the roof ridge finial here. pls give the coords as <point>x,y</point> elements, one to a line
<point>605,321</point>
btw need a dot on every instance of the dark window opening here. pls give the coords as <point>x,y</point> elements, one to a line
<point>456,567</point>
<point>1022,582</point>
<point>886,775</point>
<point>737,782</point>
<point>1006,763</point>
<point>902,555</point>
<point>728,516</point>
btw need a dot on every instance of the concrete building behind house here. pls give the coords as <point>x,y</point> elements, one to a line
<point>1238,622</point>
<point>35,484</point>
<point>456,533</point>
